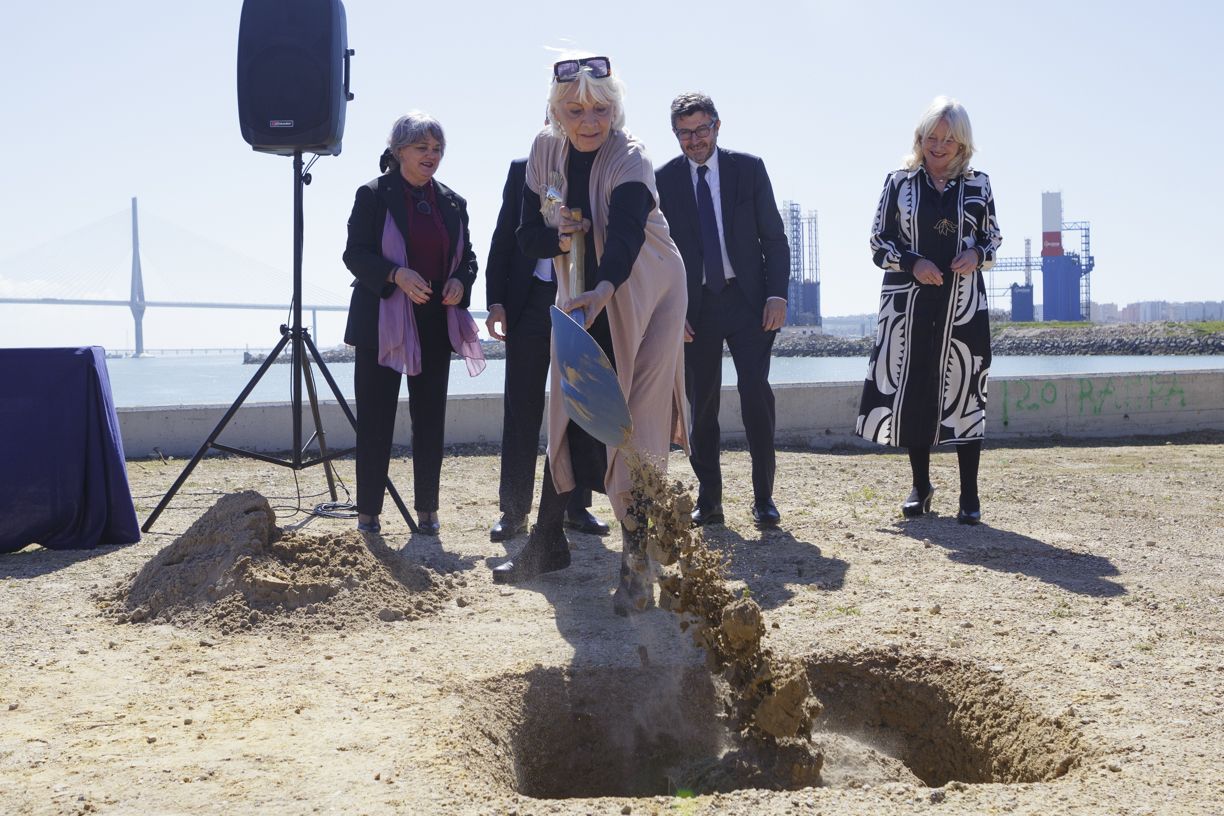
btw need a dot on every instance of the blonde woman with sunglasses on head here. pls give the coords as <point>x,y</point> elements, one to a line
<point>634,299</point>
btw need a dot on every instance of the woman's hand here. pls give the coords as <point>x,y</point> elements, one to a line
<point>591,303</point>
<point>413,285</point>
<point>568,226</point>
<point>452,292</point>
<point>966,263</point>
<point>927,272</point>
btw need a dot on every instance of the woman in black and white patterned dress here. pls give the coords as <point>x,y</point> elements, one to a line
<point>934,233</point>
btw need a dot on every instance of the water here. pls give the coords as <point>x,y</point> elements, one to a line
<point>217,379</point>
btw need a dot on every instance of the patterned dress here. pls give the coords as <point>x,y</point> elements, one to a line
<point>926,381</point>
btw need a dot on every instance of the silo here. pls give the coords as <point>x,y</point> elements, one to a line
<point>1060,273</point>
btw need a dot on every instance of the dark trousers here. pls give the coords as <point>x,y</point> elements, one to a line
<point>728,316</point>
<point>377,390</point>
<point>527,363</point>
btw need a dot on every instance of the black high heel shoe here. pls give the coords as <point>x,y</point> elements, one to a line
<point>916,505</point>
<point>973,516</point>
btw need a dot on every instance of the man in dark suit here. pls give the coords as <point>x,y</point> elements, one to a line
<point>518,292</point>
<point>724,219</point>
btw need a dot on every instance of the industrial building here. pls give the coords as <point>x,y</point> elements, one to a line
<point>1066,279</point>
<point>803,293</point>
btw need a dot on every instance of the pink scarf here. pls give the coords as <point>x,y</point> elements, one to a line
<point>399,346</point>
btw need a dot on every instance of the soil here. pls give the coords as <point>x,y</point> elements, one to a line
<point>1064,657</point>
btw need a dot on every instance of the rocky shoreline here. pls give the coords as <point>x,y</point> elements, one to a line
<point>1008,340</point>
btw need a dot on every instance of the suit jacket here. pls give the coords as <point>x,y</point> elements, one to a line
<point>752,228</point>
<point>509,272</point>
<point>363,252</point>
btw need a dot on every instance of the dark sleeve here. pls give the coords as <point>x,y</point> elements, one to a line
<point>503,246</point>
<point>888,250</point>
<point>466,273</point>
<point>775,250</point>
<point>630,207</point>
<point>535,238</point>
<point>989,238</point>
<point>363,252</point>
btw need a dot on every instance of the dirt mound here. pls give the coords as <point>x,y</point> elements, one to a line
<point>234,569</point>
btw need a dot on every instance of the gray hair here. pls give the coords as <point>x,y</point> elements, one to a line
<point>691,102</point>
<point>943,109</point>
<point>414,127</point>
<point>607,90</point>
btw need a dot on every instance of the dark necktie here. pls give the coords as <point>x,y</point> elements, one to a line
<point>711,247</point>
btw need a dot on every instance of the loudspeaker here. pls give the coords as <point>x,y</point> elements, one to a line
<point>293,75</point>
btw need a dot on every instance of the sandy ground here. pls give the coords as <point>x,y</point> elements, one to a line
<point>1067,656</point>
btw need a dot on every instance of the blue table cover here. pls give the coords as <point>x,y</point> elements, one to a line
<point>63,480</point>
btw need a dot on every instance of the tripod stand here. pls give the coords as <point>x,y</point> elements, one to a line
<point>299,341</point>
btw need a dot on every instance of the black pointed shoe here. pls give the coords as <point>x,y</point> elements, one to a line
<point>967,516</point>
<point>765,513</point>
<point>507,527</point>
<point>707,515</point>
<point>586,522</point>
<point>533,560</point>
<point>916,505</point>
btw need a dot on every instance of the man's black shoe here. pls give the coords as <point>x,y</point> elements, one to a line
<point>707,515</point>
<point>507,527</point>
<point>765,514</point>
<point>586,523</point>
<point>529,563</point>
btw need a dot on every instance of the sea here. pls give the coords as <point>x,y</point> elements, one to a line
<point>201,378</point>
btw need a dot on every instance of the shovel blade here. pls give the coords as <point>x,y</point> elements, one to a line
<point>590,391</point>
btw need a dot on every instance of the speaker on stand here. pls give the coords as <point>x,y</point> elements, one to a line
<point>293,86</point>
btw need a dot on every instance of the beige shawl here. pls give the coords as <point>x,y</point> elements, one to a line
<point>646,315</point>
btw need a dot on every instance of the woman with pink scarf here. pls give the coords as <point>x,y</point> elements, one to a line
<point>412,261</point>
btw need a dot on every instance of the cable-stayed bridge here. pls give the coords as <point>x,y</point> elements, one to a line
<point>137,262</point>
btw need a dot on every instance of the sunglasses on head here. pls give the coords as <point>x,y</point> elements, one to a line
<point>568,70</point>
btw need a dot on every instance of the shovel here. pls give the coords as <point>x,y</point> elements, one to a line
<point>590,392</point>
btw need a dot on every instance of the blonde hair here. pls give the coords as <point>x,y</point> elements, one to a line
<point>944,109</point>
<point>587,90</point>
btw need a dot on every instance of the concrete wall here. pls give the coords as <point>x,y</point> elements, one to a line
<point>819,415</point>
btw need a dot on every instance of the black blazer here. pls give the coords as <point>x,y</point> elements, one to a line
<point>363,252</point>
<point>509,272</point>
<point>752,227</point>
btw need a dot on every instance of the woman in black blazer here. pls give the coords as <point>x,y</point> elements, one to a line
<point>411,255</point>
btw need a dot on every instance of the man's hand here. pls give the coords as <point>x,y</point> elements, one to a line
<point>688,332</point>
<point>774,316</point>
<point>497,317</point>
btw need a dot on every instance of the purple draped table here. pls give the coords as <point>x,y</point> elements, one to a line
<point>63,479</point>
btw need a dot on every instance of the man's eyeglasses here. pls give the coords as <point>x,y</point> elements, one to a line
<point>568,70</point>
<point>422,206</point>
<point>684,134</point>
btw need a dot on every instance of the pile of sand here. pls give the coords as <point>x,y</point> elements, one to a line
<point>234,569</point>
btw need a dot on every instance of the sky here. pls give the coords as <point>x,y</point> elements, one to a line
<point>1115,104</point>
